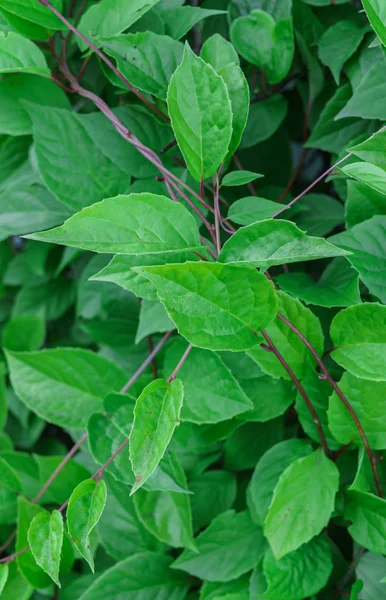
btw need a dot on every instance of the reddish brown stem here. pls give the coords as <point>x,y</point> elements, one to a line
<point>180,363</point>
<point>153,362</point>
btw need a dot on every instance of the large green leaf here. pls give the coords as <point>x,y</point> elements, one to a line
<point>287,342</point>
<point>80,380</point>
<point>156,415</point>
<point>83,513</point>
<point>359,337</point>
<point>367,514</point>
<point>274,242</point>
<point>267,474</point>
<point>146,576</point>
<point>201,115</point>
<point>211,393</point>
<point>232,301</point>
<point>228,535</point>
<point>135,224</point>
<point>367,243</point>
<point>45,537</point>
<point>19,55</point>
<point>146,59</point>
<point>338,43</point>
<point>33,11</point>
<point>302,503</point>
<point>368,399</point>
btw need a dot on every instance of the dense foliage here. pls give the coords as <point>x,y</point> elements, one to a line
<point>193,289</point>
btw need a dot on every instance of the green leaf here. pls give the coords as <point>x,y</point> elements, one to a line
<point>366,102</point>
<point>338,43</point>
<point>367,242</point>
<point>302,503</point>
<point>19,55</point>
<point>367,398</point>
<point>274,242</point>
<point>147,574</point>
<point>356,588</point>
<point>47,301</point>
<point>299,574</point>
<point>359,337</point>
<point>370,570</point>
<point>156,415</point>
<point>179,20</point>
<point>83,513</point>
<point>238,91</point>
<point>45,538</point>
<point>372,150</point>
<point>367,514</point>
<point>337,286</point>
<point>153,318</point>
<point>110,17</point>
<point>80,378</point>
<point>371,175</point>
<point>228,535</point>
<point>247,444</point>
<point>4,570</point>
<point>239,178</point>
<point>211,393</point>
<point>16,586</point>
<point>146,59</point>
<point>218,52</point>
<point>23,333</point>
<point>362,203</point>
<point>251,209</point>
<point>264,119</point>
<point>201,115</point>
<point>8,477</point>
<point>233,301</point>
<point>281,395</point>
<point>71,474</point>
<point>135,224</point>
<point>35,12</point>
<point>376,13</point>
<point>26,563</point>
<point>318,214</point>
<point>287,342</point>
<point>267,473</point>
<point>275,50</point>
<point>214,492</point>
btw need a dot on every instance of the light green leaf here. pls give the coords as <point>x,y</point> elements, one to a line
<point>201,115</point>
<point>362,203</point>
<point>4,570</point>
<point>372,150</point>
<point>376,13</point>
<point>214,492</point>
<point>153,318</point>
<point>135,224</point>
<point>251,209</point>
<point>179,20</point>
<point>239,178</point>
<point>16,586</point>
<point>337,286</point>
<point>232,301</point>
<point>338,43</point>
<point>264,119</point>
<point>302,503</point>
<point>146,59</point>
<point>146,574</point>
<point>367,242</point>
<point>8,478</point>
<point>83,513</point>
<point>368,399</point>
<point>80,378</point>
<point>367,514</point>
<point>19,55</point>
<point>238,91</point>
<point>274,242</point>
<point>218,52</point>
<point>359,337</point>
<point>211,393</point>
<point>356,588</point>
<point>371,175</point>
<point>26,562</point>
<point>371,570</point>
<point>110,17</point>
<point>228,535</point>
<point>366,102</point>
<point>32,11</point>
<point>287,342</point>
<point>267,474</point>
<point>299,574</point>
<point>45,537</point>
<point>156,415</point>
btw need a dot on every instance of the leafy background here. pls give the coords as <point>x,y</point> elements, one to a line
<point>221,171</point>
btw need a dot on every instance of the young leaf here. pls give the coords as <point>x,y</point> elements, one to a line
<point>251,209</point>
<point>45,537</point>
<point>19,55</point>
<point>239,178</point>
<point>359,338</point>
<point>201,115</point>
<point>180,19</point>
<point>371,175</point>
<point>372,150</point>
<point>238,91</point>
<point>218,52</point>
<point>338,43</point>
<point>83,513</point>
<point>228,535</point>
<point>274,242</point>
<point>156,415</point>
<point>26,563</point>
<point>135,224</point>
<point>233,301</point>
<point>80,378</point>
<point>153,318</point>
<point>4,570</point>
<point>302,503</point>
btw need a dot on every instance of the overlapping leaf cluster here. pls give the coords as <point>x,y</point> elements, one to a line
<point>193,289</point>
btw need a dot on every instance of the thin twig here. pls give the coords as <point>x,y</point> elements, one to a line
<point>153,362</point>
<point>146,362</point>
<point>180,363</point>
<point>217,213</point>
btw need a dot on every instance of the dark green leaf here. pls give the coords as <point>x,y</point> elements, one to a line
<point>264,119</point>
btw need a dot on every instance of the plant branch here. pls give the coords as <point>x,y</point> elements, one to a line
<point>180,363</point>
